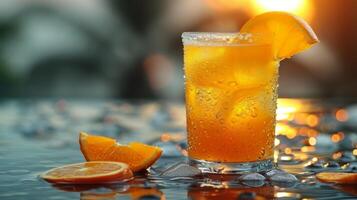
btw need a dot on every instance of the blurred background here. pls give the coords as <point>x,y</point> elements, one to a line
<point>132,49</point>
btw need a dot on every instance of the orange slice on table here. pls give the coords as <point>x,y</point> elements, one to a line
<point>89,172</point>
<point>288,33</point>
<point>137,155</point>
<point>337,177</point>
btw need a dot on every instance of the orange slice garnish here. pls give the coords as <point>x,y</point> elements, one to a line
<point>137,155</point>
<point>288,33</point>
<point>337,177</point>
<point>89,172</point>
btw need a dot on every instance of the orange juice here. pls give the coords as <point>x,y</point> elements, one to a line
<point>231,94</point>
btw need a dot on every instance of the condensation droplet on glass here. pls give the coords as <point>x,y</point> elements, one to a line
<point>254,112</point>
<point>232,83</point>
<point>218,115</point>
<point>262,152</point>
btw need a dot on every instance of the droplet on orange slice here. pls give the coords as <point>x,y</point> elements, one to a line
<point>337,177</point>
<point>89,173</point>
<point>288,33</point>
<point>137,155</point>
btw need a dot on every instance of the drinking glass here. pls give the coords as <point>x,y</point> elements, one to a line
<point>231,98</point>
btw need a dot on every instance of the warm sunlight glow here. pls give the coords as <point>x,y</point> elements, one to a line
<point>337,137</point>
<point>312,141</point>
<point>287,108</point>
<point>354,152</point>
<point>226,5</point>
<point>290,5</point>
<point>287,150</point>
<point>307,149</point>
<point>342,115</point>
<point>312,120</point>
<point>337,155</point>
<point>276,142</point>
<point>298,7</point>
<point>284,129</point>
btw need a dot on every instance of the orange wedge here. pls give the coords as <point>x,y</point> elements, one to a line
<point>337,177</point>
<point>88,173</point>
<point>288,33</point>
<point>137,155</point>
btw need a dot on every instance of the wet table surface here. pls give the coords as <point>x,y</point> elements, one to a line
<point>36,135</point>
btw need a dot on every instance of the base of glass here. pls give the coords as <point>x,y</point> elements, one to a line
<point>232,168</point>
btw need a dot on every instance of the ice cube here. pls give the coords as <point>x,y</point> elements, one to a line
<point>169,149</point>
<point>283,177</point>
<point>252,177</point>
<point>238,104</point>
<point>274,171</point>
<point>253,183</point>
<point>180,170</point>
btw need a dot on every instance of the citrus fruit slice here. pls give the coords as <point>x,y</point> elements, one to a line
<point>89,172</point>
<point>149,153</point>
<point>288,33</point>
<point>137,155</point>
<point>337,177</point>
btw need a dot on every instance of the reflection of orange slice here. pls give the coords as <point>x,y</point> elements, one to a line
<point>289,34</point>
<point>348,188</point>
<point>205,193</point>
<point>89,172</point>
<point>137,155</point>
<point>76,187</point>
<point>137,193</point>
<point>337,177</point>
<point>98,196</point>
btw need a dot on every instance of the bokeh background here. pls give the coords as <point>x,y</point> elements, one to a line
<point>132,49</point>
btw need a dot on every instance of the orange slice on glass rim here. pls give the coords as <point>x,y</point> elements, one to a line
<point>89,173</point>
<point>137,155</point>
<point>288,33</point>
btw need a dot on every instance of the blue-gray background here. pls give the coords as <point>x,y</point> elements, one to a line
<point>132,49</point>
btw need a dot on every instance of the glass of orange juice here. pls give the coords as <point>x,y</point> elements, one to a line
<point>231,98</point>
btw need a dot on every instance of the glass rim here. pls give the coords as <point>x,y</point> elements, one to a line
<point>223,38</point>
